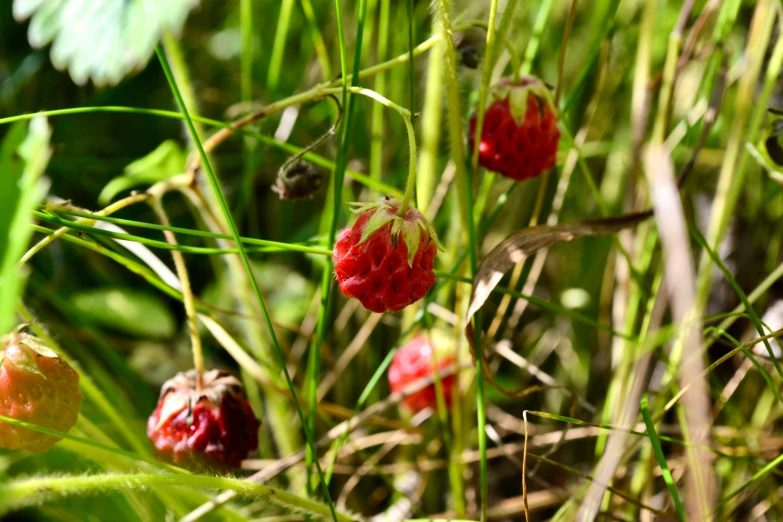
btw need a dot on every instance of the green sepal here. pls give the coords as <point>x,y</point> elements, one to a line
<point>37,346</point>
<point>517,96</point>
<point>358,207</point>
<point>412,237</point>
<point>517,103</point>
<point>395,231</point>
<point>24,360</point>
<point>428,229</point>
<point>378,220</point>
<point>385,213</point>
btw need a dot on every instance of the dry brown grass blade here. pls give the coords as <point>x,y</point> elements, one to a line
<point>519,246</point>
<point>680,282</point>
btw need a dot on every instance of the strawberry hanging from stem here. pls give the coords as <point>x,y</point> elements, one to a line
<point>519,136</point>
<point>38,387</point>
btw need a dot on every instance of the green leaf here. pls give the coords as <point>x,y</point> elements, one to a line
<point>22,162</point>
<point>129,311</point>
<point>162,163</point>
<point>102,40</point>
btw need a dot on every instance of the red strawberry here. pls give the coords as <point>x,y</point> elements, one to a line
<point>414,362</point>
<point>375,267</point>
<point>214,428</point>
<point>38,387</point>
<point>519,136</point>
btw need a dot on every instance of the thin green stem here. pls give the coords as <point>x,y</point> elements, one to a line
<point>296,247</point>
<point>411,70</point>
<point>411,186</point>
<point>473,242</point>
<point>187,292</point>
<point>278,48</point>
<point>87,219</point>
<point>246,262</point>
<point>531,51</point>
<point>318,160</point>
<point>344,134</point>
<point>656,444</point>
<point>52,218</point>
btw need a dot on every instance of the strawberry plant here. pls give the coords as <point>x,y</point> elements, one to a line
<point>376,260</point>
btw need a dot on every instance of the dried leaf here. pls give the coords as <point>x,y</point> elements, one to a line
<point>38,346</point>
<point>519,246</point>
<point>23,359</point>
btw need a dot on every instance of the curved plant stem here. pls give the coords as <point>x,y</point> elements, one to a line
<point>187,292</point>
<point>318,160</point>
<point>270,246</point>
<point>411,186</point>
<point>111,209</point>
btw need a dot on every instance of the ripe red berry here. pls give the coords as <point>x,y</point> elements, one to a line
<point>375,267</point>
<point>38,387</point>
<point>519,135</point>
<point>414,362</point>
<point>213,428</point>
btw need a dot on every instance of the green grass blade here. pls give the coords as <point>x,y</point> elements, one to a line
<point>337,187</point>
<point>246,262</point>
<point>659,456</point>
<point>22,163</point>
<point>278,49</point>
<point>734,285</point>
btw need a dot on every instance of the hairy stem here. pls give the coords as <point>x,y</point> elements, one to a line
<point>23,492</point>
<point>411,186</point>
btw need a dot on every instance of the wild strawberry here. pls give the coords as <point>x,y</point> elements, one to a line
<point>38,387</point>
<point>375,267</point>
<point>414,362</point>
<point>213,428</point>
<point>519,136</point>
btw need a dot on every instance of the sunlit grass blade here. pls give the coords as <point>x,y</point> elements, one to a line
<point>246,262</point>
<point>344,134</point>
<point>659,456</point>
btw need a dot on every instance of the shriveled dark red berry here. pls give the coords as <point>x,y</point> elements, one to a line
<point>209,429</point>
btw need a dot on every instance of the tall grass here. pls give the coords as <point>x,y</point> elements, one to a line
<point>652,391</point>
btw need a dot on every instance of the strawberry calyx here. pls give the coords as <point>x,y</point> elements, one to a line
<point>180,393</point>
<point>409,226</point>
<point>517,94</point>
<point>21,350</point>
